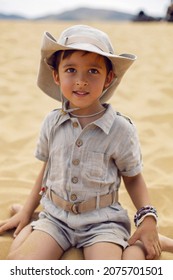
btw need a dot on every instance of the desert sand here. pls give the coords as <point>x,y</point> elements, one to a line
<point>145,95</point>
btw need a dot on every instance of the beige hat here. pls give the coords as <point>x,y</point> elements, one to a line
<point>80,37</point>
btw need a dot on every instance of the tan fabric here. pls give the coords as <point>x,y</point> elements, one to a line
<point>84,206</point>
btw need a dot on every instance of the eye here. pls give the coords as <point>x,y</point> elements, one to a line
<point>70,70</point>
<point>93,71</point>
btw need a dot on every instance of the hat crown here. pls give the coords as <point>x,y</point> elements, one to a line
<point>84,34</point>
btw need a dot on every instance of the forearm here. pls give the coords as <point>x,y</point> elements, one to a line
<point>137,190</point>
<point>33,200</point>
<point>146,228</point>
<point>23,217</point>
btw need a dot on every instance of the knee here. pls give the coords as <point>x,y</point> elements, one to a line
<point>11,256</point>
<point>14,256</point>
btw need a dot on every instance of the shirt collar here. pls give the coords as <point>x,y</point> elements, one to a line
<point>107,120</point>
<point>62,117</point>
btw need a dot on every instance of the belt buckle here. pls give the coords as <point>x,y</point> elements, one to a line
<point>75,208</point>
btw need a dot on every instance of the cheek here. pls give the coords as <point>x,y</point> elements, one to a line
<point>65,85</point>
<point>65,82</point>
<point>62,80</point>
<point>100,85</point>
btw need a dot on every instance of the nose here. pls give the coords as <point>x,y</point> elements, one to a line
<point>81,83</point>
<point>81,80</point>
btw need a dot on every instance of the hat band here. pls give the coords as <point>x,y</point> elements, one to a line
<point>84,39</point>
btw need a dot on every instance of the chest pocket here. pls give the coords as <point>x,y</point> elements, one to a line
<point>96,166</point>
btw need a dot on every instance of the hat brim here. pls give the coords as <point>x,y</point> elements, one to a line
<point>45,81</point>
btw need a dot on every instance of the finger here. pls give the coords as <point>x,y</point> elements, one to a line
<point>15,234</point>
<point>17,231</point>
<point>160,247</point>
<point>4,226</point>
<point>150,251</point>
<point>151,254</point>
<point>133,239</point>
<point>19,228</point>
<point>3,222</point>
<point>153,251</point>
<point>158,250</point>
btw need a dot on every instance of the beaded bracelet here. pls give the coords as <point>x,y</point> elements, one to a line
<point>144,212</point>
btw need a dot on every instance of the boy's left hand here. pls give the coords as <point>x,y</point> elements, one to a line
<point>148,235</point>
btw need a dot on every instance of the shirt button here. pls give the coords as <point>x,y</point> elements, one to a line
<point>74,180</point>
<point>76,162</point>
<point>75,124</point>
<point>79,142</point>
<point>73,197</point>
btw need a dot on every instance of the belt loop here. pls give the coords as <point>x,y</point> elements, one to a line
<point>98,201</point>
<point>50,194</point>
<point>114,193</point>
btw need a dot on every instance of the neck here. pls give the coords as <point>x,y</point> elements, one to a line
<point>89,115</point>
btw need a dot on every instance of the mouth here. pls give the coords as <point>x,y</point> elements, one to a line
<point>80,93</point>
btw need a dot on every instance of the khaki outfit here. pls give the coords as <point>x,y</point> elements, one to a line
<point>83,164</point>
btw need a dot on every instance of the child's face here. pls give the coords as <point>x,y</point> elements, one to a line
<point>83,77</point>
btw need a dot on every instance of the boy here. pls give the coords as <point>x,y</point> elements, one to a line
<point>86,148</point>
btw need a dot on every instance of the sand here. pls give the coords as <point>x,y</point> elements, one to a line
<point>145,95</point>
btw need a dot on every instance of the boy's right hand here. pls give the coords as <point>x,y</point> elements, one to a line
<point>18,221</point>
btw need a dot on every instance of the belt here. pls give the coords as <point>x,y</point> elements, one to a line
<point>85,206</point>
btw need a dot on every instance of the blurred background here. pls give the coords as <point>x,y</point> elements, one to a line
<point>80,9</point>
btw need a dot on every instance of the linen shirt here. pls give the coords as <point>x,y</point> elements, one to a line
<point>88,162</point>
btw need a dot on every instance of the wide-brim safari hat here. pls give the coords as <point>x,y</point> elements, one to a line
<point>86,38</point>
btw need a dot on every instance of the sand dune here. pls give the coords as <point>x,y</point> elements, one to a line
<point>146,95</point>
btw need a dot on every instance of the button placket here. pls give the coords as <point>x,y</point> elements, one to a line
<point>79,142</point>
<point>75,124</point>
<point>73,197</point>
<point>75,169</point>
<point>75,162</point>
<point>74,180</point>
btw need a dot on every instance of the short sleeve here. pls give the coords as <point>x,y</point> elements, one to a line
<point>41,151</point>
<point>42,148</point>
<point>129,159</point>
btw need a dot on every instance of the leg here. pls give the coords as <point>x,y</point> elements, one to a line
<point>21,237</point>
<point>134,252</point>
<point>137,251</point>
<point>103,251</point>
<point>35,245</point>
<point>166,243</point>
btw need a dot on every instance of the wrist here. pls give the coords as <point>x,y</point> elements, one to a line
<point>148,220</point>
<point>143,213</point>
